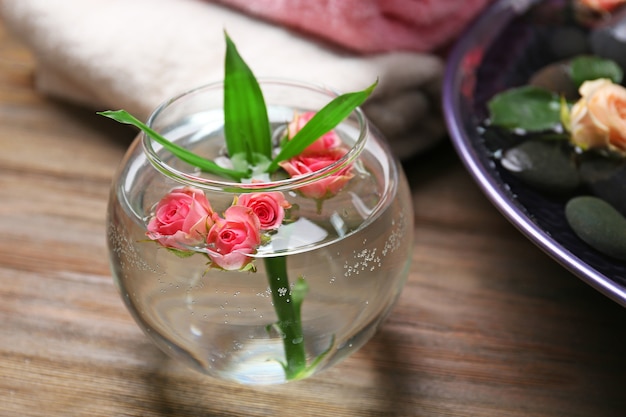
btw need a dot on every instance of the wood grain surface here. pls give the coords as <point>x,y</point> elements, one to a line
<point>487,325</point>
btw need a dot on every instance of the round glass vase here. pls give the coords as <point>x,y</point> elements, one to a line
<point>315,290</point>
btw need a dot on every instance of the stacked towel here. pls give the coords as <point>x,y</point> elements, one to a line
<point>135,54</point>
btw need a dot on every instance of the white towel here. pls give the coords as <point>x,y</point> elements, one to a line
<point>134,54</point>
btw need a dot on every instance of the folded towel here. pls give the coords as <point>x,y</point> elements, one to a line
<point>135,54</point>
<point>371,25</point>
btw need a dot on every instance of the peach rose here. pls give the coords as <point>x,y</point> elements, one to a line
<point>602,5</point>
<point>182,218</point>
<point>598,119</point>
<point>232,239</point>
<point>269,207</point>
<point>325,187</point>
<point>326,142</point>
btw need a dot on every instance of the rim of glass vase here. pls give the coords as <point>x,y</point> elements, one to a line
<point>195,180</point>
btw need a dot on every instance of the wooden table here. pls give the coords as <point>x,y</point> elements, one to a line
<point>488,325</point>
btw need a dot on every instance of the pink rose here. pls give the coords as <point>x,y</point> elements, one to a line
<point>325,187</point>
<point>269,207</point>
<point>182,218</point>
<point>323,152</point>
<point>232,239</point>
<point>326,142</point>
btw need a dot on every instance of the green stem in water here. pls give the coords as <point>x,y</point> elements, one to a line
<point>287,304</point>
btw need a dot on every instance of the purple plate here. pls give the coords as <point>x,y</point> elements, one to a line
<point>509,42</point>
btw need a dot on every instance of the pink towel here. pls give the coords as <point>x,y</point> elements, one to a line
<point>368,26</point>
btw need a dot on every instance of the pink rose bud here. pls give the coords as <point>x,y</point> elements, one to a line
<point>232,239</point>
<point>181,219</point>
<point>326,142</point>
<point>269,207</point>
<point>325,187</point>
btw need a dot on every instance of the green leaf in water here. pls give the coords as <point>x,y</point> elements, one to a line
<point>589,67</point>
<point>246,124</point>
<point>530,108</point>
<point>191,158</point>
<point>181,253</point>
<point>324,120</point>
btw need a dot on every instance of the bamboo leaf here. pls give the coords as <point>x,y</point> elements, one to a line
<point>206,165</point>
<point>324,120</point>
<point>246,124</point>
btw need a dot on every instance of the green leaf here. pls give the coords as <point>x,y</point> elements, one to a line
<point>530,108</point>
<point>324,120</point>
<point>565,114</point>
<point>191,158</point>
<point>588,67</point>
<point>181,253</point>
<point>298,292</point>
<point>246,124</point>
<point>309,370</point>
